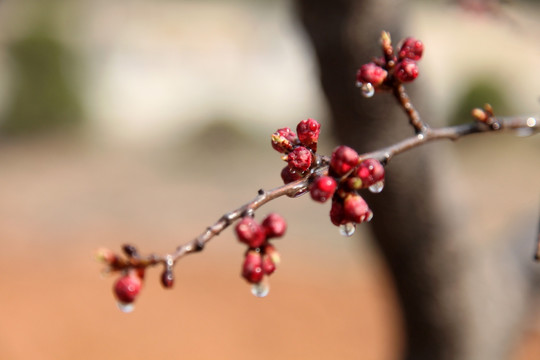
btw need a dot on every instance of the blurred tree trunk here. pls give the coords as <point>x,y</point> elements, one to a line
<point>441,287</point>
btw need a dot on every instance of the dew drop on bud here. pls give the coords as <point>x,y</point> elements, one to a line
<point>125,307</point>
<point>377,187</point>
<point>368,90</point>
<point>260,289</point>
<point>347,229</point>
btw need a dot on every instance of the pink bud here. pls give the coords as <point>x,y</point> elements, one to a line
<point>308,133</point>
<point>250,232</point>
<point>283,140</point>
<point>252,269</point>
<point>406,70</point>
<point>300,159</point>
<point>371,73</point>
<point>356,209</point>
<point>127,287</point>
<point>274,225</point>
<point>323,188</point>
<point>370,171</point>
<point>411,49</point>
<point>343,159</point>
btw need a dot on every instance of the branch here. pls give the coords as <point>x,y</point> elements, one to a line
<point>339,177</point>
<point>384,155</point>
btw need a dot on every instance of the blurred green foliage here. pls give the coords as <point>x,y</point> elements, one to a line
<point>480,91</point>
<point>43,95</point>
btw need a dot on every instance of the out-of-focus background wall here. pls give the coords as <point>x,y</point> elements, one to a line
<point>129,121</point>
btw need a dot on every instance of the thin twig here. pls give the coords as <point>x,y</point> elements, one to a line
<point>384,155</point>
<point>404,101</point>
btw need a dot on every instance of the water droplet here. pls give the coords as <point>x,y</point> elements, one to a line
<point>358,84</point>
<point>531,122</point>
<point>420,136</point>
<point>261,289</point>
<point>377,187</point>
<point>347,229</point>
<point>125,307</point>
<point>368,90</point>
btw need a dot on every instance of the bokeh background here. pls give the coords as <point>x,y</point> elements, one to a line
<point>130,121</point>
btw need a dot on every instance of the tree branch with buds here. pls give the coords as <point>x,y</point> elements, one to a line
<point>340,178</point>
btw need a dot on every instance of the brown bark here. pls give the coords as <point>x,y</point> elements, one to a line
<point>441,290</point>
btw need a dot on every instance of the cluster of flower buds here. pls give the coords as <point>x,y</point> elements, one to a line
<point>298,148</point>
<point>346,176</point>
<point>394,67</point>
<point>261,257</point>
<point>132,268</point>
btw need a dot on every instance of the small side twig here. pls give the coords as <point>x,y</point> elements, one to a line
<point>404,101</point>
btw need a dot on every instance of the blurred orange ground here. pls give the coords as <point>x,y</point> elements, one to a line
<point>330,299</point>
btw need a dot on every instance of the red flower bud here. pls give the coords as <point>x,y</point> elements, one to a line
<point>271,251</point>
<point>252,269</point>
<point>250,232</point>
<point>288,175</point>
<point>283,140</point>
<point>268,265</point>
<point>274,226</point>
<point>356,209</point>
<point>167,279</point>
<point>308,133</point>
<point>127,287</point>
<point>371,73</point>
<point>406,70</point>
<point>370,171</point>
<point>343,159</point>
<point>323,188</point>
<point>300,159</point>
<point>411,49</point>
<point>337,213</point>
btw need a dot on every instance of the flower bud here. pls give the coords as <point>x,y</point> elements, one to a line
<point>406,70</point>
<point>300,159</point>
<point>343,159</point>
<point>370,171</point>
<point>268,265</point>
<point>271,251</point>
<point>274,226</point>
<point>283,140</point>
<point>252,269</point>
<point>371,73</point>
<point>250,232</point>
<point>411,49</point>
<point>308,133</point>
<point>127,287</point>
<point>323,188</point>
<point>288,175</point>
<point>356,209</point>
<point>337,213</point>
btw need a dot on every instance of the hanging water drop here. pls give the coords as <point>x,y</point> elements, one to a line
<point>260,289</point>
<point>125,307</point>
<point>347,229</point>
<point>368,90</point>
<point>377,187</point>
